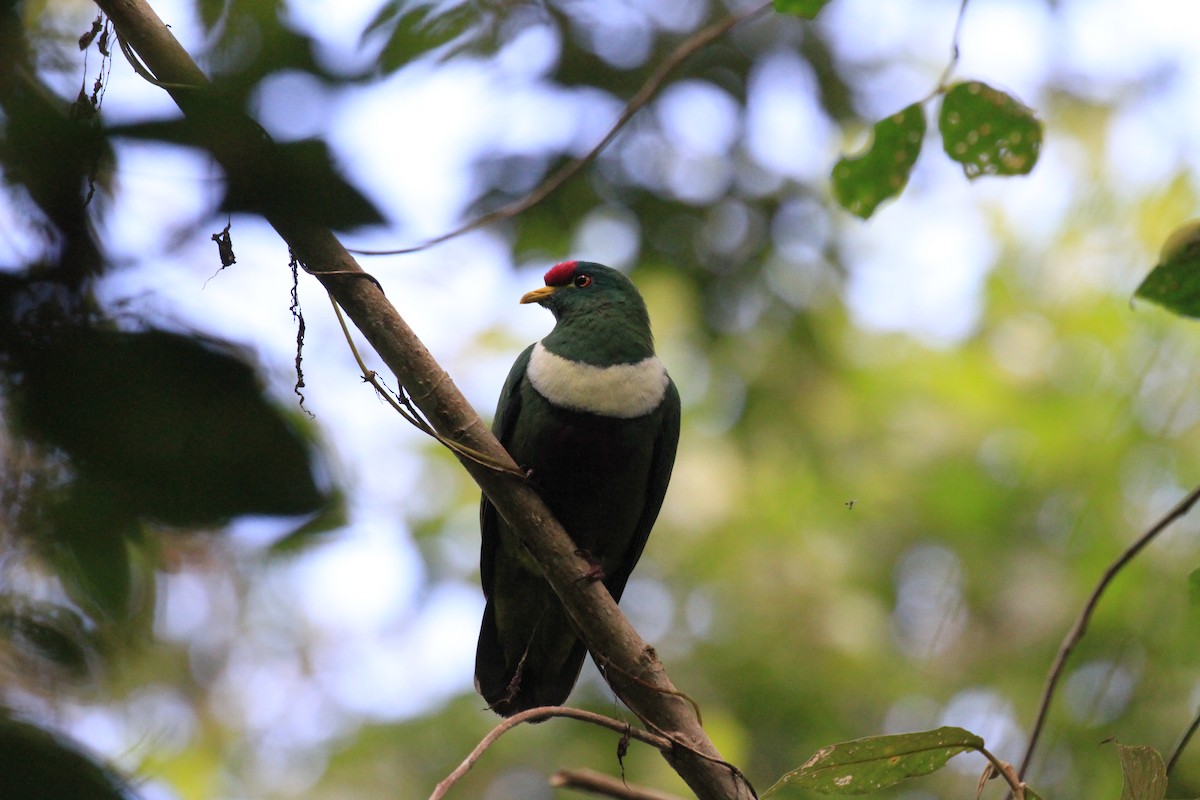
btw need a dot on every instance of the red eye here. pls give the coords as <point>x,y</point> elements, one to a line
<point>583,281</point>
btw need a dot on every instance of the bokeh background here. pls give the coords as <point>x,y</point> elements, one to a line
<point>911,445</point>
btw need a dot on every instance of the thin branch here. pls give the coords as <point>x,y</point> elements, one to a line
<point>141,69</point>
<point>1080,627</point>
<point>404,407</point>
<point>606,664</point>
<point>1183,743</point>
<point>537,715</point>
<point>587,780</point>
<point>644,95</point>
<point>954,53</point>
<point>1002,768</point>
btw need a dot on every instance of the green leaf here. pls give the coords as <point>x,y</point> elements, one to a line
<point>861,182</point>
<point>1174,283</point>
<point>300,179</point>
<point>868,765</point>
<point>1194,587</point>
<point>210,12</point>
<point>421,28</point>
<point>1145,773</point>
<point>164,427</point>
<point>330,517</point>
<point>800,8</point>
<point>988,131</point>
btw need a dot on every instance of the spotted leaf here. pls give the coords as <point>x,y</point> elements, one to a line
<point>868,765</point>
<point>861,182</point>
<point>988,132</point>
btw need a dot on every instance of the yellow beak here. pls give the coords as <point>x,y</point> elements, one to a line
<point>538,295</point>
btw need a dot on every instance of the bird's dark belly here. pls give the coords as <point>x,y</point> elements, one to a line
<point>586,451</point>
<point>592,471</point>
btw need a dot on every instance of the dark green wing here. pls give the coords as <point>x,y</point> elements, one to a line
<point>665,445</point>
<point>507,410</point>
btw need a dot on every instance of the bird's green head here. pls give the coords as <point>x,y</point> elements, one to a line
<point>596,307</point>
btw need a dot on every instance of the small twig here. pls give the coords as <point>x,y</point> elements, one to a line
<point>643,96</point>
<point>607,664</point>
<point>1183,742</point>
<point>679,744</point>
<point>1080,627</point>
<point>298,315</point>
<point>537,715</point>
<point>406,409</point>
<point>587,780</point>
<point>954,54</point>
<point>1015,787</point>
<point>141,68</point>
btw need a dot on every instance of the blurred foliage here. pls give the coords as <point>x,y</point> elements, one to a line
<point>118,433</point>
<point>416,29</point>
<point>37,766</point>
<point>867,532</point>
<point>1174,283</point>
<point>273,178</point>
<point>801,8</point>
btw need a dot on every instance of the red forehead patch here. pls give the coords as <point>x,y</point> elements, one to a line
<point>560,274</point>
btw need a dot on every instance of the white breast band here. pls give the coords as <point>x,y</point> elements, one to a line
<point>622,390</point>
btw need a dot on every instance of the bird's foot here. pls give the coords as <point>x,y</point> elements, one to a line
<point>530,476</point>
<point>595,572</point>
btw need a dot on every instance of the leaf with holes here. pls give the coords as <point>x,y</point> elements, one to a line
<point>1144,771</point>
<point>1174,283</point>
<point>988,132</point>
<point>868,765</point>
<point>861,182</point>
<point>800,8</point>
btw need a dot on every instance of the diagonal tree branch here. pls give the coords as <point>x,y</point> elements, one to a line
<point>640,679</point>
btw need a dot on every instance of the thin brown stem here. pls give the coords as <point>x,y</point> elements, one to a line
<point>537,715</point>
<point>592,782</point>
<point>1077,631</point>
<point>411,414</point>
<point>1183,743</point>
<point>1005,770</point>
<point>954,53</point>
<point>644,95</point>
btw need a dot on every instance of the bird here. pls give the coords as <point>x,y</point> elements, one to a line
<point>592,417</point>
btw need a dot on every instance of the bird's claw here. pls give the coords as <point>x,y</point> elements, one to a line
<point>595,572</point>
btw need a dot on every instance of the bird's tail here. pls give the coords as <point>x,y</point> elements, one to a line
<point>538,668</point>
